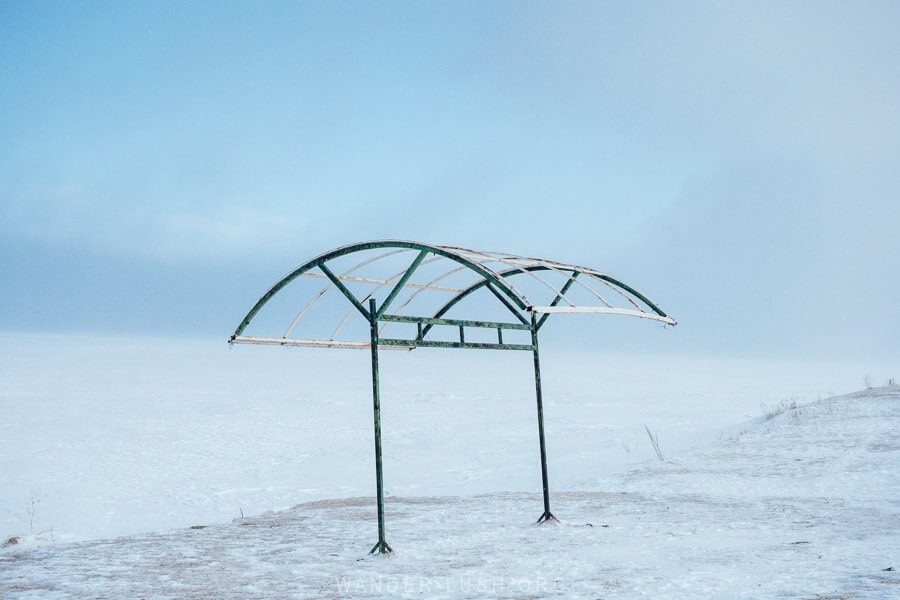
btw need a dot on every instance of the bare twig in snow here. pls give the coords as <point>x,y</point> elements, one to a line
<point>655,441</point>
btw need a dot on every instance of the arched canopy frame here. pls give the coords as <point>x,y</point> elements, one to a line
<point>498,273</point>
<point>524,287</point>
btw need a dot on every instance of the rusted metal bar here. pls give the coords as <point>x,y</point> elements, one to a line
<point>378,285</point>
<point>283,341</point>
<point>602,310</point>
<point>430,286</point>
<point>344,275</point>
<point>421,287</point>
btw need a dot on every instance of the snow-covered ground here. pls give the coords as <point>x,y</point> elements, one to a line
<point>104,440</point>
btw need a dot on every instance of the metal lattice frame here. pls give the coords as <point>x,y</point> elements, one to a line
<point>555,286</point>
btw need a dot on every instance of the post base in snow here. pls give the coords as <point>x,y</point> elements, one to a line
<point>547,517</point>
<point>381,548</point>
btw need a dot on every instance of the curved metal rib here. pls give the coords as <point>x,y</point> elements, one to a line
<point>496,280</point>
<point>514,295</point>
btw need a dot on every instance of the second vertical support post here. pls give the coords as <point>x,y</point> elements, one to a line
<point>382,546</point>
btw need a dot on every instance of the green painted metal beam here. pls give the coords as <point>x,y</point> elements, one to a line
<point>506,303</point>
<point>559,296</point>
<point>397,288</point>
<point>345,290</point>
<point>381,547</point>
<point>462,295</point>
<point>547,515</point>
<point>453,322</point>
<point>442,344</point>
<point>485,283</point>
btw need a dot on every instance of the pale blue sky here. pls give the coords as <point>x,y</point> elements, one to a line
<point>162,163</point>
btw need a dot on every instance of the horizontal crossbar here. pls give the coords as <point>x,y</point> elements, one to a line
<point>284,341</point>
<point>440,344</point>
<point>454,322</point>
<point>394,344</point>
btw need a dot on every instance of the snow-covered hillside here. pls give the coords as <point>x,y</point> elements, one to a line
<point>771,486</point>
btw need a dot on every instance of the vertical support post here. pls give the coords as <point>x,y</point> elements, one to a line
<point>547,516</point>
<point>382,546</point>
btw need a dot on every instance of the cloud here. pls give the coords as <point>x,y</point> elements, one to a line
<point>735,160</point>
<point>78,216</point>
<point>781,233</point>
<point>747,77</point>
<point>774,259</point>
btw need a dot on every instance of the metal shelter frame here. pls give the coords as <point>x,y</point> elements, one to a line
<point>480,272</point>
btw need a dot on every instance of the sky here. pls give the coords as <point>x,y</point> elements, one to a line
<point>163,163</point>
